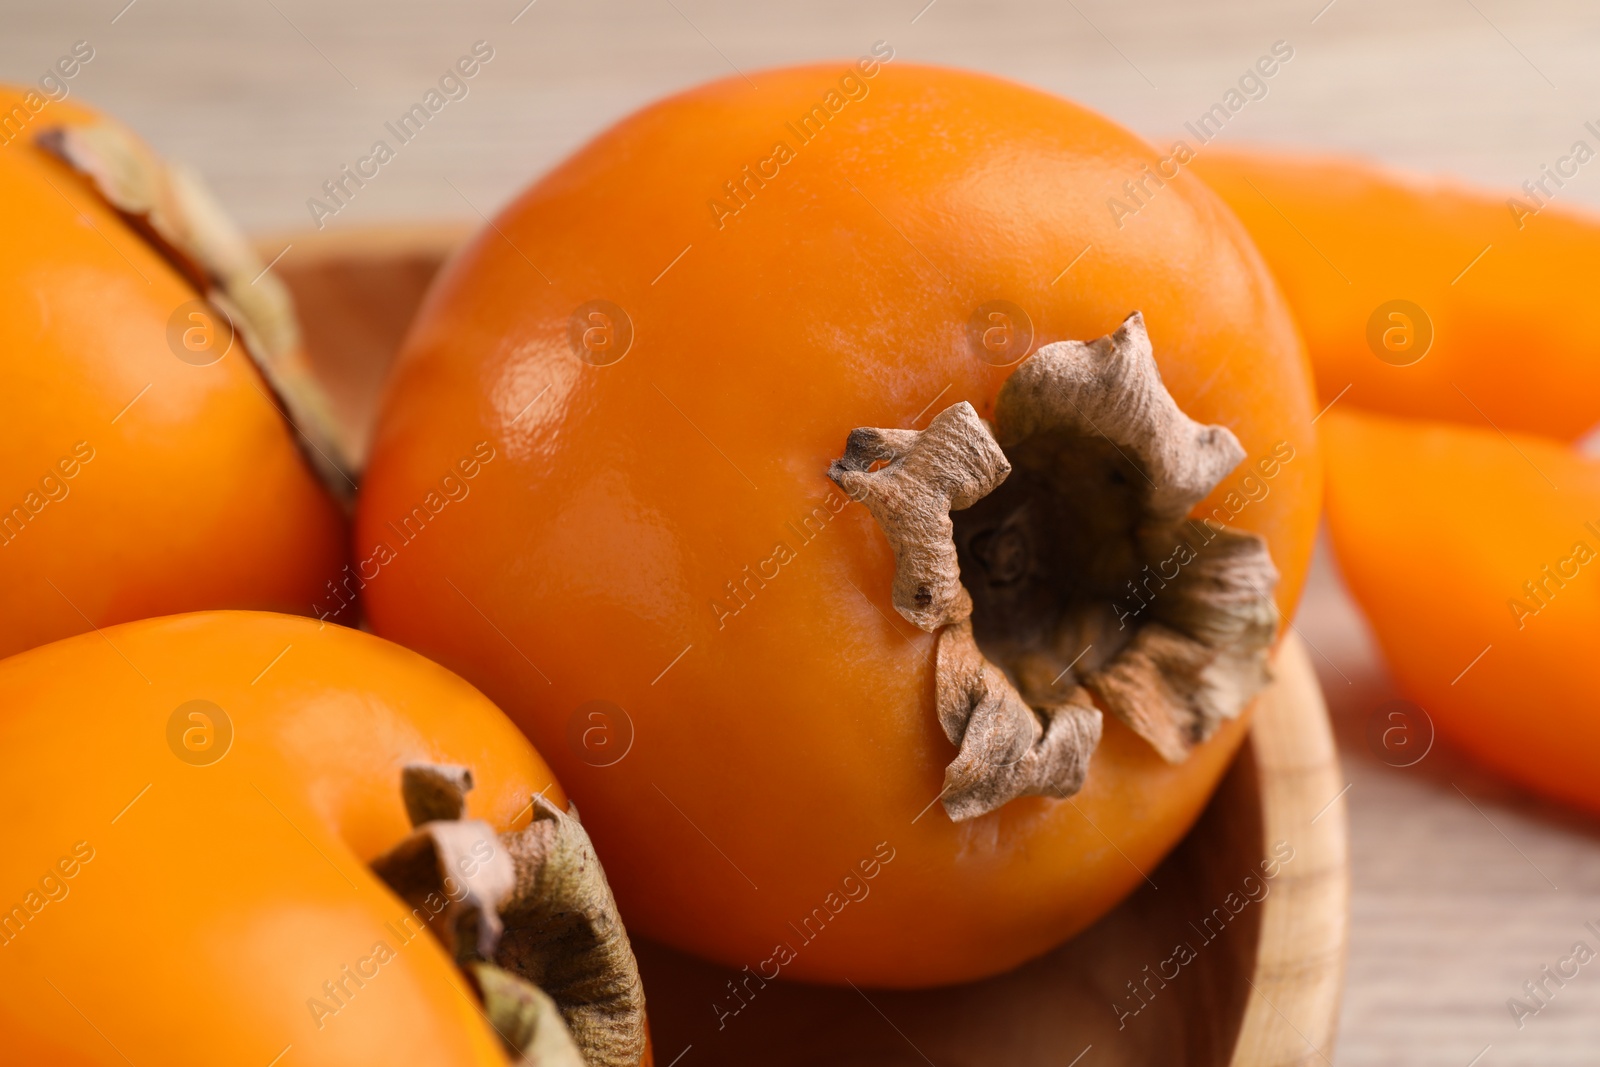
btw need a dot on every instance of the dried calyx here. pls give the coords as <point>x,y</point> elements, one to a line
<point>529,918</point>
<point>1053,556</point>
<point>176,213</point>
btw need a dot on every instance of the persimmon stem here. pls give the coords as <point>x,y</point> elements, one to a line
<point>1017,546</point>
<point>528,915</point>
<point>434,791</point>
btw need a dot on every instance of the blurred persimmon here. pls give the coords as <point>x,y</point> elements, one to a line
<point>213,803</point>
<point>1474,557</point>
<point>147,468</point>
<point>1425,296</point>
<point>600,489</point>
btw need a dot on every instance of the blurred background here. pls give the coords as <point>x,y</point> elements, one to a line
<point>1463,889</point>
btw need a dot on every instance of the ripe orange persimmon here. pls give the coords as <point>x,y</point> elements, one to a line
<point>1413,292</point>
<point>600,489</point>
<point>146,467</point>
<point>1474,557</point>
<point>196,800</point>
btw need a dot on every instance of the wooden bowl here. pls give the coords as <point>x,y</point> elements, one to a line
<point>1262,986</point>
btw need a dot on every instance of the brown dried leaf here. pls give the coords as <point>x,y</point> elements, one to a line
<point>535,904</point>
<point>1200,658</point>
<point>925,475</point>
<point>563,934</point>
<point>460,873</point>
<point>434,791</point>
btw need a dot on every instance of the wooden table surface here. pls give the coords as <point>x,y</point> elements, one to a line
<point>1463,889</point>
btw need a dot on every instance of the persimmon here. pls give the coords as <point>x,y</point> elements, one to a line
<point>615,484</point>
<point>212,859</point>
<point>1410,290</point>
<point>1473,556</point>
<point>143,359</point>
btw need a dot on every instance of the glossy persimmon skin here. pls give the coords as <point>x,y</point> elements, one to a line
<point>1513,331</point>
<point>132,483</point>
<point>776,752</point>
<point>1437,528</point>
<point>219,898</point>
